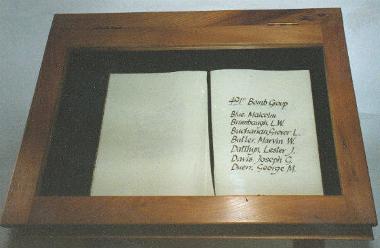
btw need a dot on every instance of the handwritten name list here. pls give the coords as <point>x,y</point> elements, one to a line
<point>264,133</point>
<point>262,141</point>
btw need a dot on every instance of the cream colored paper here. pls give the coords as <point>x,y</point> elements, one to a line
<point>154,136</point>
<point>248,168</point>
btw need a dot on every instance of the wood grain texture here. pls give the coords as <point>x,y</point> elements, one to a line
<point>190,19</point>
<point>37,134</point>
<point>205,37</point>
<point>193,210</point>
<point>352,165</point>
<point>236,231</point>
<point>195,30</point>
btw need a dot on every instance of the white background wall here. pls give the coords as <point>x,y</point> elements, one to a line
<point>24,27</point>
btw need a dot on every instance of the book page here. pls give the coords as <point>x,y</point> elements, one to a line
<point>154,136</point>
<point>264,134</point>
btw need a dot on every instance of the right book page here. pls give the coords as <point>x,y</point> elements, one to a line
<point>264,134</point>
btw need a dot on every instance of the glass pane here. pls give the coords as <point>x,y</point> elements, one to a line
<point>230,122</point>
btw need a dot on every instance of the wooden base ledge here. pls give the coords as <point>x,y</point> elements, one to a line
<point>244,231</point>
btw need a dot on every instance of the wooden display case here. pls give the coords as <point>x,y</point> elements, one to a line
<point>83,47</point>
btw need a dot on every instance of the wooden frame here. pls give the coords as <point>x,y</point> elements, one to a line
<point>354,208</point>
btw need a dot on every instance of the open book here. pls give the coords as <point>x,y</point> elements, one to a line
<point>224,132</point>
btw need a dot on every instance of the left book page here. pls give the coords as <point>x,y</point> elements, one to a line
<point>154,136</point>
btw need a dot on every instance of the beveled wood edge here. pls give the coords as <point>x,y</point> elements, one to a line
<point>352,165</point>
<point>294,232</point>
<point>91,21</point>
<point>54,58</point>
<point>231,37</point>
<point>121,210</point>
<point>37,133</point>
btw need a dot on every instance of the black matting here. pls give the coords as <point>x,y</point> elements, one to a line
<point>72,153</point>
